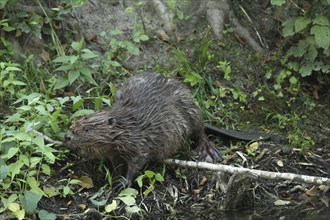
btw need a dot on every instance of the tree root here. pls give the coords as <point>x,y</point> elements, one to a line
<point>217,12</point>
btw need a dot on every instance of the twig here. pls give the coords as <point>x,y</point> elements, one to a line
<point>47,139</point>
<point>260,173</point>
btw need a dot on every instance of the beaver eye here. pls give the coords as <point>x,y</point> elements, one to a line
<point>85,129</point>
<point>111,121</point>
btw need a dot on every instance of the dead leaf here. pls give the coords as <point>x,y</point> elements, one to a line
<point>280,163</point>
<point>86,182</point>
<point>18,33</point>
<point>324,188</point>
<point>316,92</point>
<point>203,181</point>
<point>325,200</point>
<point>82,206</point>
<point>69,203</point>
<point>45,56</point>
<point>281,202</point>
<point>196,192</point>
<point>312,191</point>
<point>92,37</point>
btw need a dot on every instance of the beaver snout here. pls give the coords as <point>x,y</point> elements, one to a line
<point>68,136</point>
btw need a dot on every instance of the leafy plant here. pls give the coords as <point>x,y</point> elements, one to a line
<point>128,198</point>
<point>75,66</point>
<point>282,79</point>
<point>309,32</point>
<point>9,82</point>
<point>152,178</point>
<point>224,66</point>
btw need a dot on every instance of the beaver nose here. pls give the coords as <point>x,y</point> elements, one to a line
<point>68,136</point>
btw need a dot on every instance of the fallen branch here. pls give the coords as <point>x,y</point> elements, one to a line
<point>45,137</point>
<point>260,173</point>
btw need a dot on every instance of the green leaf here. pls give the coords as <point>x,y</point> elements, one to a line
<point>301,23</point>
<point>20,214</point>
<point>12,198</point>
<point>288,28</point>
<point>62,59</point>
<point>3,3</point>
<point>293,80</point>
<point>171,3</point>
<point>14,207</point>
<point>30,201</point>
<point>13,118</point>
<point>129,10</point>
<point>77,45</point>
<point>49,154</point>
<point>42,110</point>
<point>306,69</point>
<point>149,173</point>
<point>39,141</point>
<point>99,203</point>
<point>66,190</point>
<point>4,170</point>
<point>12,68</point>
<point>299,50</point>
<point>159,177</point>
<point>132,209</point>
<point>18,83</point>
<point>128,200</point>
<point>321,20</point>
<point>46,169</point>
<point>61,83</point>
<point>144,37</point>
<point>77,104</point>
<point>34,185</point>
<point>73,76</point>
<point>88,54</point>
<point>277,2</point>
<point>148,190</point>
<point>111,207</point>
<point>128,191</point>
<point>65,68</point>
<point>89,78</point>
<point>322,36</point>
<point>51,191</point>
<point>11,152</point>
<point>73,59</point>
<point>45,215</point>
<point>87,71</point>
<point>15,168</point>
<point>82,112</point>
<point>139,180</point>
<point>193,78</point>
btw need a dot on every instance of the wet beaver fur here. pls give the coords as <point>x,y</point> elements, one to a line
<point>152,118</point>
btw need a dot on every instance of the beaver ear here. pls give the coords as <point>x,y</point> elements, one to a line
<point>111,121</point>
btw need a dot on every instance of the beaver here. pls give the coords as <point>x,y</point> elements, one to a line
<point>153,117</point>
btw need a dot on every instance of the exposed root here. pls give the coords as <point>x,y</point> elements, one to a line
<point>166,15</point>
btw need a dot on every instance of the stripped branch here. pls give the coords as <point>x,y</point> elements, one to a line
<point>260,173</point>
<point>45,137</point>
